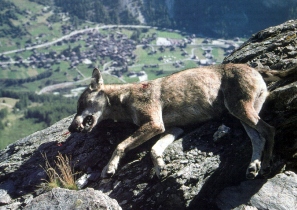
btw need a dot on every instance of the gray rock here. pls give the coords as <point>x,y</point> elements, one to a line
<point>4,197</point>
<point>221,132</point>
<point>273,47</point>
<point>191,161</point>
<point>288,95</point>
<point>276,193</point>
<point>65,199</point>
<point>12,206</point>
<point>82,181</point>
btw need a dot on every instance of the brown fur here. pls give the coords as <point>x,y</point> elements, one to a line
<point>183,98</point>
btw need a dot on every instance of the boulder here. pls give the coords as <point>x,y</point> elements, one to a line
<point>279,193</point>
<point>274,47</point>
<point>65,199</point>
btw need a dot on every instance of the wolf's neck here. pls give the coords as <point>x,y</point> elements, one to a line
<point>117,96</point>
<point>117,93</point>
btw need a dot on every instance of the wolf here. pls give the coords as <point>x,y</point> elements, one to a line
<point>163,105</point>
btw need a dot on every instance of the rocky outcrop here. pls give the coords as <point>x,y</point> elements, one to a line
<point>65,199</point>
<point>201,173</point>
<point>279,193</point>
<point>274,47</point>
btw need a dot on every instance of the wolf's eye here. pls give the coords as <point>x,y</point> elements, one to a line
<point>90,102</point>
<point>100,92</point>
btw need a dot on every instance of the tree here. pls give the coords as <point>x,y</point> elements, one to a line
<point>135,35</point>
<point>3,113</point>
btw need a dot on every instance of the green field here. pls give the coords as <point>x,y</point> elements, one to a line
<point>16,126</point>
<point>18,129</point>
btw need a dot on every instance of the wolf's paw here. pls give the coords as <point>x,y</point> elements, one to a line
<point>160,167</point>
<point>253,170</point>
<point>108,171</point>
<point>163,173</point>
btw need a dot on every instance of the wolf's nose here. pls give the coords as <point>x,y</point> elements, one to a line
<point>71,129</point>
<point>75,128</point>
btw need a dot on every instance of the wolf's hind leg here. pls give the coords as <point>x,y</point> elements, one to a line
<point>157,150</point>
<point>258,144</point>
<point>262,137</point>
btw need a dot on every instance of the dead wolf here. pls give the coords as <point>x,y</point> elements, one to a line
<point>162,105</point>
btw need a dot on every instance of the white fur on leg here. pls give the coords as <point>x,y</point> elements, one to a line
<point>160,146</point>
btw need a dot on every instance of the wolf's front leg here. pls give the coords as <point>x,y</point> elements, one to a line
<point>113,163</point>
<point>160,146</point>
<point>144,133</point>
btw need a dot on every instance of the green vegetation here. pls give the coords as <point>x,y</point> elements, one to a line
<point>3,114</point>
<point>156,14</point>
<point>30,112</point>
<point>218,53</point>
<point>96,11</point>
<point>16,127</point>
<point>9,13</point>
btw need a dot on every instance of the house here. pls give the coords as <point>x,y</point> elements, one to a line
<point>206,41</point>
<point>205,62</point>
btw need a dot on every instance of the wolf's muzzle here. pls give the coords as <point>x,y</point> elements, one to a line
<point>75,126</point>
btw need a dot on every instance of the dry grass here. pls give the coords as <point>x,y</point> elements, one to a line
<point>62,175</point>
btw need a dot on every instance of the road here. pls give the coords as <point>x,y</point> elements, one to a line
<point>80,72</point>
<point>7,105</point>
<point>51,88</point>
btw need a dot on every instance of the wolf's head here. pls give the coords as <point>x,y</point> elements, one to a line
<point>90,106</point>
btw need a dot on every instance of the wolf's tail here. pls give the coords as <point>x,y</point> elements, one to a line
<point>276,75</point>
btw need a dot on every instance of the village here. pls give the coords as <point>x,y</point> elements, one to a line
<point>116,52</point>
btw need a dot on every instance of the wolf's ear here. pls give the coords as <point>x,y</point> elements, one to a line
<point>97,81</point>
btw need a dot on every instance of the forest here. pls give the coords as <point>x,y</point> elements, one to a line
<point>212,18</point>
<point>46,108</point>
<point>12,82</point>
<point>232,17</point>
<point>9,13</point>
<point>97,11</point>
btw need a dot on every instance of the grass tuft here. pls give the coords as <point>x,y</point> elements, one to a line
<point>62,175</point>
